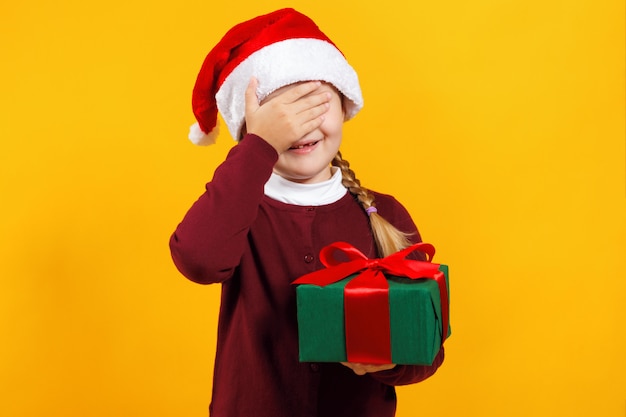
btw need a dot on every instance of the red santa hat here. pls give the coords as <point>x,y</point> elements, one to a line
<point>279,48</point>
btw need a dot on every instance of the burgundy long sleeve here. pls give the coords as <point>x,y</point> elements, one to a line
<point>255,246</point>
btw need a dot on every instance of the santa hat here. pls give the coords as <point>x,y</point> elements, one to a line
<point>279,48</point>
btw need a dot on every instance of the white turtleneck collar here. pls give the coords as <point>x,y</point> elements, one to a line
<point>317,194</point>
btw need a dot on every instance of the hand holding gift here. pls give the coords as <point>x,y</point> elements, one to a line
<point>364,368</point>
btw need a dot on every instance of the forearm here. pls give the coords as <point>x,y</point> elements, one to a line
<point>208,243</point>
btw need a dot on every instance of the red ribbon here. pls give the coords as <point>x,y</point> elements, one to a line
<point>366,297</point>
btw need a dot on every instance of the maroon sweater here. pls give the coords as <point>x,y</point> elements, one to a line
<point>256,247</point>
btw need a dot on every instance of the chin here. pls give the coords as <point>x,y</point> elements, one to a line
<point>307,177</point>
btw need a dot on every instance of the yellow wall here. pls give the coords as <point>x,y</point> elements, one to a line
<point>502,130</point>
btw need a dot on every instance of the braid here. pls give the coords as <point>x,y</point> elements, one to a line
<point>351,182</point>
<point>387,237</point>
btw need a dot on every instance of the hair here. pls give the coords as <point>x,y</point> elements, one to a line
<point>387,237</point>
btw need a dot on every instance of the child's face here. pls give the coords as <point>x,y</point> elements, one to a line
<point>308,161</point>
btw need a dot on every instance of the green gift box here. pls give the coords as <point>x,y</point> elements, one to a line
<point>416,310</point>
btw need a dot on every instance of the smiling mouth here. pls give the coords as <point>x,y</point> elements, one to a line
<point>306,145</point>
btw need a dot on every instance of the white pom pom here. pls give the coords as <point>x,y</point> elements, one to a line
<point>198,137</point>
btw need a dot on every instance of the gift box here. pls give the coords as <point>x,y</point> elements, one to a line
<point>389,310</point>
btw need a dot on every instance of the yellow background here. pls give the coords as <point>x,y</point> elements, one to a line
<point>499,124</point>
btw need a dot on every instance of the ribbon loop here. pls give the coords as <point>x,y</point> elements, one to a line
<point>394,264</point>
<point>350,252</point>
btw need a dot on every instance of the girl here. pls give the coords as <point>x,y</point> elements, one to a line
<point>283,193</point>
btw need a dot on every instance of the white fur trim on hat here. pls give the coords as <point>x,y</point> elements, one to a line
<point>283,63</point>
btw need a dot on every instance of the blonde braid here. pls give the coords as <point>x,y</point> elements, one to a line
<point>387,237</point>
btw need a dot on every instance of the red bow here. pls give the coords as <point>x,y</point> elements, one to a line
<point>366,297</point>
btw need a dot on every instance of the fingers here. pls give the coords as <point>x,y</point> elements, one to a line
<point>286,116</point>
<point>304,106</point>
<point>313,106</point>
<point>302,98</point>
<point>251,99</point>
<point>355,368</point>
<point>311,117</point>
<point>307,101</point>
<point>300,91</point>
<point>364,368</point>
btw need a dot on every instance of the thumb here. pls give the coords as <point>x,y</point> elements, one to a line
<point>251,99</point>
